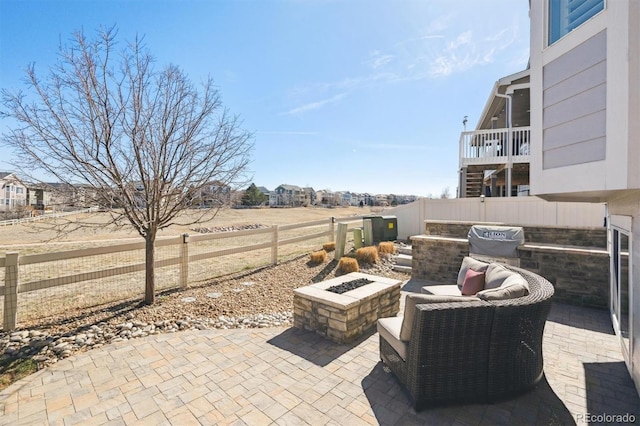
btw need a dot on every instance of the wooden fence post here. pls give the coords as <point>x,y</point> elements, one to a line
<point>10,291</point>
<point>274,245</point>
<point>368,232</point>
<point>184,261</point>
<point>332,228</point>
<point>341,240</point>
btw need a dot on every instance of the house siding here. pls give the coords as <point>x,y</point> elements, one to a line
<point>574,105</point>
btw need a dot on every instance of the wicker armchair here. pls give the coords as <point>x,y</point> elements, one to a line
<point>473,351</point>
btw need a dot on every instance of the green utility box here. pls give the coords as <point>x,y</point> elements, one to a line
<point>385,228</point>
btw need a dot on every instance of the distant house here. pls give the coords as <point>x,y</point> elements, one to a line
<point>381,200</point>
<point>289,196</point>
<point>326,197</point>
<point>13,193</point>
<point>310,194</point>
<point>64,196</point>
<point>214,194</point>
<point>368,199</point>
<point>38,196</point>
<point>345,199</point>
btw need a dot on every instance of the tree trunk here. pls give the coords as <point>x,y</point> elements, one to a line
<point>150,282</point>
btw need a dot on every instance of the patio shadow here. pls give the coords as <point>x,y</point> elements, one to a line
<point>324,273</point>
<point>591,319</point>
<point>313,347</point>
<point>391,405</point>
<point>610,390</point>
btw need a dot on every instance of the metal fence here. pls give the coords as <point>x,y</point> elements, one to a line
<point>39,285</point>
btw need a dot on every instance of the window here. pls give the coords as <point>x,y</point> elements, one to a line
<point>567,15</point>
<point>19,190</point>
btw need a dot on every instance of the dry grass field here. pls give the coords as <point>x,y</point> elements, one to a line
<point>32,235</point>
<point>39,237</point>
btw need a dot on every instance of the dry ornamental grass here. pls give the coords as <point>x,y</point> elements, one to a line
<point>386,247</point>
<point>367,255</point>
<point>331,246</point>
<point>347,265</point>
<point>319,256</point>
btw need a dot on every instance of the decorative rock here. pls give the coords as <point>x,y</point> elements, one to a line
<point>214,295</point>
<point>248,283</point>
<point>46,349</point>
<point>188,299</point>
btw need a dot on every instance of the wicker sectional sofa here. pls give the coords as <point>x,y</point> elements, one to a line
<point>462,349</point>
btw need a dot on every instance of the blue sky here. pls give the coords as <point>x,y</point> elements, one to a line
<point>359,95</point>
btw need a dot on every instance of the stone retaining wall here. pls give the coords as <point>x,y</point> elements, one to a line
<point>579,276</point>
<point>579,237</point>
<point>437,258</point>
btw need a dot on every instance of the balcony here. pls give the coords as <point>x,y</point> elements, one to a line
<point>491,146</point>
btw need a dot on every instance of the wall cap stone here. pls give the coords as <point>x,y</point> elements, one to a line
<point>563,248</point>
<point>438,238</point>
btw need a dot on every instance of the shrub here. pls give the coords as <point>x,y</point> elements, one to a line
<point>347,264</point>
<point>367,255</point>
<point>318,256</point>
<point>329,246</point>
<point>386,247</point>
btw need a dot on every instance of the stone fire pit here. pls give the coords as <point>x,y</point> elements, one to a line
<point>344,317</point>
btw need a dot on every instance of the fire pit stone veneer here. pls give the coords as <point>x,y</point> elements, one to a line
<point>343,318</point>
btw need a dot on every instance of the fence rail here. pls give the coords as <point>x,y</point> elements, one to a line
<point>126,259</point>
<point>12,222</point>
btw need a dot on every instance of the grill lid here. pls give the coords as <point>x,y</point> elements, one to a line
<point>499,241</point>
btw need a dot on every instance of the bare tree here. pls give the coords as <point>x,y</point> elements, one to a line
<point>141,138</point>
<point>445,194</point>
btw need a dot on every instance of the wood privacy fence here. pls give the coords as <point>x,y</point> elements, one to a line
<point>92,276</point>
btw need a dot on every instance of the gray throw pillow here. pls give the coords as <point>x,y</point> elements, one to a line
<point>512,287</point>
<point>495,276</point>
<point>418,299</point>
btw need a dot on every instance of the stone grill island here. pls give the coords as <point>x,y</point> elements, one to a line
<point>344,317</point>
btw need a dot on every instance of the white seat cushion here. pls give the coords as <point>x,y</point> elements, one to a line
<point>442,290</point>
<point>389,328</point>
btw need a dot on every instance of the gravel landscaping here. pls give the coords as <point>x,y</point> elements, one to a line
<point>250,299</point>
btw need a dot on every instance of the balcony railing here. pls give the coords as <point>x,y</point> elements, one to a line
<point>495,146</point>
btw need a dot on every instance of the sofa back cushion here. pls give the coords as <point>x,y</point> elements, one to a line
<point>470,263</point>
<point>417,299</point>
<point>473,282</point>
<point>495,276</point>
<point>512,287</point>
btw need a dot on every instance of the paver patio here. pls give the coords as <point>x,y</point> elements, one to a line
<point>290,377</point>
